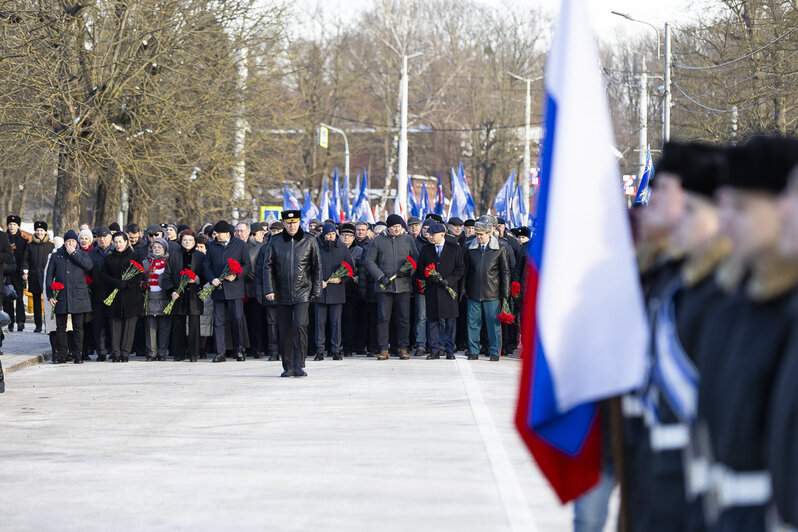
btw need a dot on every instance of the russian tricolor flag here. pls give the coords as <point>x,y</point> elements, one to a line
<point>584,328</point>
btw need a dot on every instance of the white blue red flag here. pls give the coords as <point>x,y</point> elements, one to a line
<point>326,211</point>
<point>413,208</point>
<point>335,199</point>
<point>440,204</point>
<point>584,330</point>
<point>361,211</point>
<point>290,201</point>
<point>346,204</point>
<point>643,190</point>
<point>309,211</point>
<point>423,204</point>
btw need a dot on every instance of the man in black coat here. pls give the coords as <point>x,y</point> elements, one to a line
<point>353,331</point>
<point>7,265</point>
<point>253,310</point>
<point>487,282</point>
<point>362,234</point>
<point>228,298</point>
<point>385,257</point>
<point>442,308</point>
<point>16,307</point>
<point>99,319</point>
<point>269,308</point>
<point>33,263</point>
<point>330,305</point>
<point>69,266</point>
<point>292,279</point>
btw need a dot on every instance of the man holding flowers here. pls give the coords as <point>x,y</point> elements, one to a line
<point>336,265</point>
<point>226,265</point>
<point>391,261</point>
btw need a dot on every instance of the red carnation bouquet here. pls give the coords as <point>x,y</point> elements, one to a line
<point>505,316</point>
<point>233,268</point>
<point>421,285</point>
<point>344,270</point>
<point>56,287</point>
<point>430,271</point>
<point>408,267</point>
<point>186,275</point>
<point>515,288</point>
<point>89,282</point>
<point>133,270</point>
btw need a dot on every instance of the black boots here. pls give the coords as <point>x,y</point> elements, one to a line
<point>240,356</point>
<point>220,358</point>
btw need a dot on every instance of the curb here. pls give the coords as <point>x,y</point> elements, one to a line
<point>34,360</point>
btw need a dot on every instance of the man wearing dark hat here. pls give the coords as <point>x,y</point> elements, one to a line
<point>434,217</point>
<point>33,263</point>
<point>468,228</point>
<point>292,278</point>
<point>228,297</point>
<point>257,231</point>
<point>253,310</point>
<point>418,333</point>
<point>442,309</point>
<point>384,258</point>
<point>414,226</point>
<point>330,306</point>
<point>7,265</point>
<point>97,327</point>
<point>456,229</point>
<point>353,337</point>
<point>15,307</point>
<point>69,266</point>
<point>114,227</point>
<point>276,228</point>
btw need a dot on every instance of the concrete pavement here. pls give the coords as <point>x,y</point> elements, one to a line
<point>358,445</point>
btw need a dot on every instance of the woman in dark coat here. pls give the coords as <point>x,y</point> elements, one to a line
<point>188,306</point>
<point>69,266</point>
<point>33,262</point>
<point>128,303</point>
<point>442,309</point>
<point>333,294</point>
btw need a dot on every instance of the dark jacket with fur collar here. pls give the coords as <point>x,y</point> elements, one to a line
<point>292,268</point>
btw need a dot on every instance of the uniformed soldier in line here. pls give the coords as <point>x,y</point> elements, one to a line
<point>292,278</point>
<point>676,325</point>
<point>659,263</point>
<point>782,432</point>
<point>739,366</point>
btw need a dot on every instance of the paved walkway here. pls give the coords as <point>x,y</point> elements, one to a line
<point>24,349</point>
<point>358,445</point>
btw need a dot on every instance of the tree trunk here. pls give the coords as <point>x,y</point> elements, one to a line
<point>779,116</point>
<point>66,207</point>
<point>108,197</point>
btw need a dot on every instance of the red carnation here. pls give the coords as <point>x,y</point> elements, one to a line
<point>57,286</point>
<point>420,285</point>
<point>505,316</point>
<point>191,275</point>
<point>89,280</point>
<point>515,288</point>
<point>428,270</point>
<point>412,262</point>
<point>349,271</point>
<point>235,267</point>
<point>138,266</point>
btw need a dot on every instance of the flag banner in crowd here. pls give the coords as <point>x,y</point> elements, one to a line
<point>584,330</point>
<point>423,205</point>
<point>501,203</point>
<point>346,204</point>
<point>290,201</point>
<point>440,204</point>
<point>325,203</point>
<point>335,195</point>
<point>362,209</point>
<point>309,211</point>
<point>643,190</point>
<point>517,215</point>
<point>470,207</point>
<point>413,208</point>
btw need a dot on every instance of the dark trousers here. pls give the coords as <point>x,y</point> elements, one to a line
<point>253,311</point>
<point>182,344</point>
<point>272,330</point>
<point>157,335</point>
<point>15,307</point>
<point>98,318</point>
<point>37,310</point>
<point>293,323</point>
<point>75,339</point>
<point>352,331</point>
<point>224,310</point>
<point>442,334</point>
<point>386,304</point>
<point>332,313</point>
<point>122,333</point>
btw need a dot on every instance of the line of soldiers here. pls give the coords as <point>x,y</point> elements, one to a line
<point>94,303</point>
<point>710,442</point>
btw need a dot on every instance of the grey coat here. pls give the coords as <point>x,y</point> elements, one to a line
<point>69,270</point>
<point>384,258</point>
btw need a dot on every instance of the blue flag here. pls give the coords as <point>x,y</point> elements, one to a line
<point>325,205</point>
<point>643,191</point>
<point>440,205</point>
<point>413,208</point>
<point>290,201</point>
<point>361,211</point>
<point>470,207</point>
<point>335,198</point>
<point>423,204</point>
<point>503,199</point>
<point>346,206</point>
<point>309,211</point>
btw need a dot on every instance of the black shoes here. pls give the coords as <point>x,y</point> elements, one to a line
<point>241,357</point>
<point>20,326</point>
<point>494,358</point>
<point>220,358</point>
<point>318,357</point>
<point>299,372</point>
<point>473,357</point>
<point>419,353</point>
<point>101,358</point>
<point>288,373</point>
<point>433,356</point>
<point>338,357</point>
<point>37,330</point>
<point>449,356</point>
<point>192,358</point>
<point>274,358</point>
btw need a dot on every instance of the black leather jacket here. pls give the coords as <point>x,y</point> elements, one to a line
<point>487,274</point>
<point>292,268</point>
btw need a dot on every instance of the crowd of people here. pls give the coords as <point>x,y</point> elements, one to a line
<point>708,443</point>
<point>423,288</point>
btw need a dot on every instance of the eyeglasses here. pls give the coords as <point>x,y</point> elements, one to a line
<point>153,235</point>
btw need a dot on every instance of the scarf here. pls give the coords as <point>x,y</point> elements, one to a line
<point>157,268</point>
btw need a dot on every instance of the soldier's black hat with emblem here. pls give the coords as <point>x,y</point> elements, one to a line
<point>13,219</point>
<point>291,216</point>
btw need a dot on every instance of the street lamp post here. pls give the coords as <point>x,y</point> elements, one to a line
<point>401,178</point>
<point>527,135</point>
<point>346,147</point>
